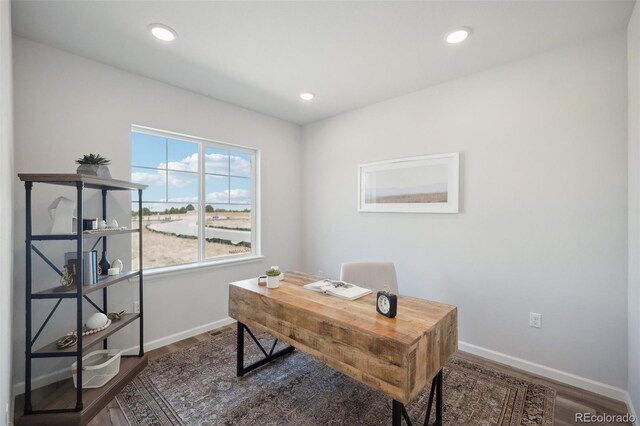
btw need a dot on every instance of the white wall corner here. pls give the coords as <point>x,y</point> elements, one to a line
<point>632,409</point>
<point>6,216</point>
<point>633,202</point>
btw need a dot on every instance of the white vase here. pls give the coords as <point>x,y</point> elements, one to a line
<point>273,282</point>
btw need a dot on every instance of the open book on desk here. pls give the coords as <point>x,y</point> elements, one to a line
<point>339,289</point>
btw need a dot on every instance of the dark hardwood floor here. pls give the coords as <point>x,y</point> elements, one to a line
<point>569,400</point>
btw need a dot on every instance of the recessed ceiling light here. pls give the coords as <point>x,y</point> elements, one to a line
<point>163,32</point>
<point>458,35</point>
<point>307,96</point>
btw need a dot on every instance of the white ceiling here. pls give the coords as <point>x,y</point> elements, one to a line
<point>261,55</point>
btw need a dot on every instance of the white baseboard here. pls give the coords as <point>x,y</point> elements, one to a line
<point>40,381</point>
<point>164,341</point>
<point>632,410</point>
<point>62,374</point>
<point>548,372</point>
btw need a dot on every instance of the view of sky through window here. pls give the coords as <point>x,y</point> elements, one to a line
<point>173,170</point>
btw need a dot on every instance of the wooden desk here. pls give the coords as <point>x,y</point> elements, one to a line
<point>398,356</point>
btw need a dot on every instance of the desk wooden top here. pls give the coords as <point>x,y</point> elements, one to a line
<point>395,355</point>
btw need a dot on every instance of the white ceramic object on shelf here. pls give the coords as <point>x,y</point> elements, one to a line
<point>102,224</point>
<point>97,320</point>
<point>113,271</point>
<point>61,212</point>
<point>113,223</point>
<point>117,264</point>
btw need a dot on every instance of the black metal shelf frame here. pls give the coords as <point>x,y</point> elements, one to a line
<point>80,293</point>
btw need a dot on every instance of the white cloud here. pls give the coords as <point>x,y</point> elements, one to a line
<point>240,166</point>
<point>220,164</point>
<point>177,180</point>
<point>187,164</point>
<point>158,177</point>
<point>238,196</point>
<point>214,163</point>
<point>154,178</point>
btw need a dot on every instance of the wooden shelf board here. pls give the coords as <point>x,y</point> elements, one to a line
<point>93,400</point>
<point>107,233</point>
<point>68,179</point>
<point>92,339</point>
<point>103,282</point>
<point>85,235</point>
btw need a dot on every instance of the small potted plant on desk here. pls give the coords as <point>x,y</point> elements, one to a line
<point>94,165</point>
<point>273,277</point>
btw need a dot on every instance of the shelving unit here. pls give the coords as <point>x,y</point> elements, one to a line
<point>68,405</point>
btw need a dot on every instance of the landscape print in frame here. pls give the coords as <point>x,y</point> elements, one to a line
<point>425,184</point>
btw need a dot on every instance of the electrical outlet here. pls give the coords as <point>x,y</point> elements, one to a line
<point>136,307</point>
<point>535,320</point>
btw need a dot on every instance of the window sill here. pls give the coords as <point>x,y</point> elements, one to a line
<point>171,270</point>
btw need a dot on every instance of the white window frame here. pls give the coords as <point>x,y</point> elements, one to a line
<point>256,250</point>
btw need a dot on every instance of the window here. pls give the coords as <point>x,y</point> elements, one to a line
<point>200,205</point>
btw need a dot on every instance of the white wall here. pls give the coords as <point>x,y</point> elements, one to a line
<point>543,225</point>
<point>65,106</point>
<point>6,215</point>
<point>633,60</point>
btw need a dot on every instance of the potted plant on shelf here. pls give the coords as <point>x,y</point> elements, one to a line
<point>94,165</point>
<point>273,277</point>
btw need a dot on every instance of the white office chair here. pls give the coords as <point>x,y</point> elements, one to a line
<point>373,275</point>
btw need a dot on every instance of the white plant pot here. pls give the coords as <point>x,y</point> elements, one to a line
<point>273,282</point>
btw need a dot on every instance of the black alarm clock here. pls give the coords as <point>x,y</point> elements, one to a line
<point>387,303</point>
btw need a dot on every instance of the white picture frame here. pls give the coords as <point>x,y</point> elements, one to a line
<point>424,184</point>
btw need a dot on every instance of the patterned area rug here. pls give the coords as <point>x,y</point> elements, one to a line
<point>198,386</point>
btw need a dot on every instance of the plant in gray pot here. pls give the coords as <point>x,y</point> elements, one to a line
<point>94,165</point>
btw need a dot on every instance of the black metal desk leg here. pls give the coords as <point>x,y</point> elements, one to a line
<point>396,413</point>
<point>241,370</point>
<point>436,390</point>
<point>240,350</point>
<point>399,411</point>
<point>439,379</point>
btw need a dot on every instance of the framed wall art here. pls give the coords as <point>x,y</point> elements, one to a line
<point>425,184</point>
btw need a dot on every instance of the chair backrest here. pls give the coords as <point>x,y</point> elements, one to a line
<point>373,275</point>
